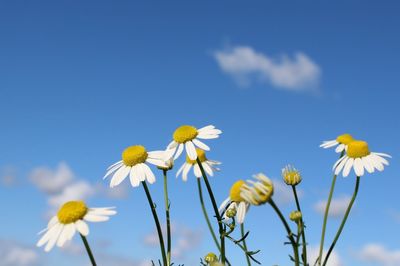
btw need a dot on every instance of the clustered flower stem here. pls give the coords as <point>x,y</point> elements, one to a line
<point>89,251</point>
<point>203,208</point>
<point>157,222</point>
<point>328,204</point>
<point>217,215</point>
<point>353,198</point>
<point>289,232</point>
<point>244,244</point>
<point>302,228</point>
<point>167,205</point>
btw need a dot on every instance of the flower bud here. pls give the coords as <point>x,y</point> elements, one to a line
<point>295,216</point>
<point>291,175</point>
<point>231,212</point>
<point>211,257</point>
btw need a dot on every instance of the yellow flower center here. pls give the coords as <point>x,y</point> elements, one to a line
<point>345,139</point>
<point>72,211</point>
<point>357,149</point>
<point>185,133</point>
<point>134,155</point>
<point>291,176</point>
<point>235,191</point>
<point>200,154</point>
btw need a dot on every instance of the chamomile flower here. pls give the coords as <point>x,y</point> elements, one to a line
<point>71,217</point>
<point>209,166</point>
<point>258,192</point>
<point>188,137</point>
<point>341,142</point>
<point>291,175</point>
<point>359,158</point>
<point>133,163</point>
<point>235,203</point>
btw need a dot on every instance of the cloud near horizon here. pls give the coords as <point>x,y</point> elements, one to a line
<point>337,208</point>
<point>246,66</point>
<point>378,254</point>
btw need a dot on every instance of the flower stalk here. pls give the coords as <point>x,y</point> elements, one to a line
<point>244,244</point>
<point>89,251</point>
<point>167,215</point>
<point>301,229</point>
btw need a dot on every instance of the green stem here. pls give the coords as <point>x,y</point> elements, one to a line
<point>290,234</point>
<point>244,244</point>
<point>328,204</point>
<point>303,233</point>
<point>343,221</point>
<point>215,207</point>
<point>203,208</point>
<point>167,206</point>
<point>89,251</point>
<point>157,222</point>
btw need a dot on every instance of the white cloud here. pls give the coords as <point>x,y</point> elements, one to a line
<point>15,254</point>
<point>338,206</point>
<point>80,190</point>
<point>52,181</point>
<point>246,65</point>
<point>377,254</point>
<point>313,253</point>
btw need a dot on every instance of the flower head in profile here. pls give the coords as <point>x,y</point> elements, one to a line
<point>235,203</point>
<point>295,216</point>
<point>71,217</point>
<point>209,166</point>
<point>291,175</point>
<point>258,192</point>
<point>360,158</point>
<point>341,142</point>
<point>134,163</point>
<point>188,137</point>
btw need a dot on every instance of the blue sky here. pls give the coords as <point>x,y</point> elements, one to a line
<point>79,82</point>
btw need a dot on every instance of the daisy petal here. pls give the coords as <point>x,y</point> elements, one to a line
<point>191,150</point>
<point>82,227</point>
<point>201,145</point>
<point>119,176</point>
<point>347,167</point>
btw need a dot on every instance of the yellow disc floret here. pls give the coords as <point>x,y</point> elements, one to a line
<point>345,139</point>
<point>72,211</point>
<point>201,155</point>
<point>357,149</point>
<point>134,155</point>
<point>185,133</point>
<point>235,191</point>
<point>291,175</point>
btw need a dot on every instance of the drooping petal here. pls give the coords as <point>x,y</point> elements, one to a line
<point>149,174</point>
<point>348,167</point>
<point>201,145</point>
<point>358,167</point>
<point>120,175</point>
<point>191,150</point>
<point>82,227</point>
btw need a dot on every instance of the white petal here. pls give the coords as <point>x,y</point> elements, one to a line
<point>377,164</point>
<point>160,155</point>
<point>191,150</point>
<point>180,169</point>
<point>241,212</point>
<point>340,148</point>
<point>70,231</point>
<point>383,154</point>
<point>95,218</point>
<point>63,237</point>
<point>119,176</point>
<point>52,221</point>
<point>379,158</point>
<point>186,171</point>
<point>367,165</point>
<point>157,162</point>
<point>347,167</point>
<point>207,168</point>
<point>341,165</point>
<point>149,174</point>
<point>82,227</point>
<point>114,164</point>
<point>49,234</point>
<point>141,175</point>
<point>224,204</point>
<point>102,211</point>
<point>133,177</point>
<point>179,151</point>
<point>201,145</point>
<point>205,136</point>
<point>196,170</point>
<point>172,145</point>
<point>54,237</point>
<point>113,169</point>
<point>205,128</point>
<point>338,161</point>
<point>358,167</point>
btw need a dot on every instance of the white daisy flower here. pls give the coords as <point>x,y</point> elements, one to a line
<point>235,203</point>
<point>71,217</point>
<point>258,192</point>
<point>209,166</point>
<point>359,158</point>
<point>133,163</point>
<point>188,137</point>
<point>341,142</point>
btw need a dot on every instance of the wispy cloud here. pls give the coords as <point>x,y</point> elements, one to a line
<point>379,255</point>
<point>16,254</point>
<point>313,253</point>
<point>337,208</point>
<point>245,65</point>
<point>283,193</point>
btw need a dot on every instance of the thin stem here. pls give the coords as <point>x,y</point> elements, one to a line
<point>343,221</point>
<point>328,204</point>
<point>89,251</point>
<point>244,244</point>
<point>302,229</point>
<point>203,208</point>
<point>167,205</point>
<point>215,207</point>
<point>290,234</point>
<point>157,222</point>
